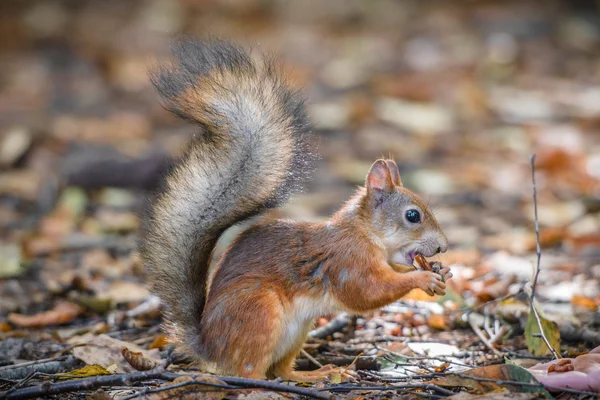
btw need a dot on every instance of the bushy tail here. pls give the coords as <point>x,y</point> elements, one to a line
<point>250,156</point>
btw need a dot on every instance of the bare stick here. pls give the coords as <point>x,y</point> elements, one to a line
<point>538,251</point>
<point>335,325</point>
<point>126,379</point>
<point>482,337</point>
<point>311,358</point>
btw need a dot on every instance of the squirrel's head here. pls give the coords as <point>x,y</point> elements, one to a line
<point>399,217</point>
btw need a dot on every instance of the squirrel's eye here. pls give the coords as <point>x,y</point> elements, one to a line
<point>413,216</point>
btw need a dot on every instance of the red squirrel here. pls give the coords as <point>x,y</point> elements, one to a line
<point>278,275</point>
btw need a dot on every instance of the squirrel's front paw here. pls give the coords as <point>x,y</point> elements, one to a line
<point>431,283</point>
<point>440,269</point>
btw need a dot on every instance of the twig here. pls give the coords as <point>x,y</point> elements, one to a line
<point>481,336</point>
<point>351,364</point>
<point>363,363</point>
<point>126,379</point>
<point>421,358</point>
<point>48,366</point>
<point>538,251</point>
<point>311,358</point>
<point>423,386</point>
<point>335,325</point>
<point>147,390</point>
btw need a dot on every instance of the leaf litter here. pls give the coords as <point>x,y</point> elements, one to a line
<point>460,97</point>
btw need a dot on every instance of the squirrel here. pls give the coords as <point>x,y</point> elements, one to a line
<point>252,318</point>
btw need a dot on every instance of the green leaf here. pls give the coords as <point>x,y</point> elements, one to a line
<point>509,361</point>
<point>536,345</point>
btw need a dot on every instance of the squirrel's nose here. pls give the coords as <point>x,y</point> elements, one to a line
<point>442,247</point>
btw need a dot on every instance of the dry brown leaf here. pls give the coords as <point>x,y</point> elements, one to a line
<point>419,295</point>
<point>438,321</point>
<point>4,327</point>
<point>62,313</point>
<point>549,237</point>
<point>137,360</point>
<point>126,292</point>
<point>443,367</point>
<point>497,289</point>
<point>578,244</point>
<point>159,341</point>
<point>106,351</point>
<point>584,302</point>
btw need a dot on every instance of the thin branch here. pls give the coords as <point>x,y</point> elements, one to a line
<point>335,325</point>
<point>422,358</point>
<point>482,337</point>
<point>48,366</point>
<point>538,251</point>
<point>126,379</point>
<point>148,390</point>
<point>311,358</point>
<point>423,386</point>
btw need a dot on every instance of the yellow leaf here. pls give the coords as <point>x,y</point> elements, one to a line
<point>336,378</point>
<point>88,370</point>
<point>536,345</point>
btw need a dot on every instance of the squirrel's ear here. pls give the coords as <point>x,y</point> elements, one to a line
<point>394,172</point>
<point>379,179</point>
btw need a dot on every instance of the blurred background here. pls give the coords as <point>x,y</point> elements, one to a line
<point>459,93</point>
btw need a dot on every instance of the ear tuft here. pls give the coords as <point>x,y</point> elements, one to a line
<point>394,172</point>
<point>379,178</point>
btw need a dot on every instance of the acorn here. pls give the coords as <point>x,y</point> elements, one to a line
<point>426,266</point>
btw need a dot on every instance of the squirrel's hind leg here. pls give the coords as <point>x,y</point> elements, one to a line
<point>242,327</point>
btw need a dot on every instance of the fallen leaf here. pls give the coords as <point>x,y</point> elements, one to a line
<point>126,292</point>
<point>496,289</point>
<point>4,327</point>
<point>88,370</point>
<point>63,312</point>
<point>137,360</point>
<point>443,367</point>
<point>584,302</point>
<point>159,341</point>
<point>536,345</point>
<point>438,321</point>
<point>495,396</point>
<point>492,374</point>
<point>549,237</point>
<point>582,243</point>
<point>106,351</point>
<point>95,304</point>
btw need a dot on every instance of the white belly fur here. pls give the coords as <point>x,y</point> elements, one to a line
<point>299,320</point>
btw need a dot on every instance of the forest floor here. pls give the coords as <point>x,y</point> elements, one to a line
<point>460,97</point>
